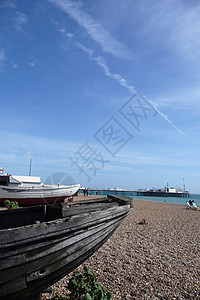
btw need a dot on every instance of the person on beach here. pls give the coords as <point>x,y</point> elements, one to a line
<point>191,202</point>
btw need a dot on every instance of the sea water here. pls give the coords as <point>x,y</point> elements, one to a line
<point>178,200</point>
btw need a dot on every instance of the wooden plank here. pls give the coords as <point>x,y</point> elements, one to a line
<point>21,216</point>
<point>74,252</point>
<point>64,231</point>
<point>56,211</point>
<point>51,256</point>
<point>13,260</point>
<point>99,200</point>
<point>39,262</point>
<point>41,250</point>
<point>86,208</point>
<point>31,254</point>
<point>121,200</point>
<point>13,286</point>
<point>13,237</point>
<point>40,243</point>
<point>36,286</point>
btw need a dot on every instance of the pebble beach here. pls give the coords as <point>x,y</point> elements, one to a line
<point>156,260</point>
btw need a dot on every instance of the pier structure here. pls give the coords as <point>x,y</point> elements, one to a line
<point>166,192</point>
<point>162,193</point>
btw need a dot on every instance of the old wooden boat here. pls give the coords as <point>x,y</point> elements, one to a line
<point>41,244</point>
<point>33,193</point>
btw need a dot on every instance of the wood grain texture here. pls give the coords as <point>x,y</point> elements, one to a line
<point>34,256</point>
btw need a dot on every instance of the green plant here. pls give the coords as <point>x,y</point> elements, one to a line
<point>10,204</point>
<point>84,286</point>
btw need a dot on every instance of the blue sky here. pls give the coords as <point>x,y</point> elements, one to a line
<point>104,91</point>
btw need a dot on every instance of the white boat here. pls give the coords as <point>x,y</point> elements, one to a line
<point>29,190</point>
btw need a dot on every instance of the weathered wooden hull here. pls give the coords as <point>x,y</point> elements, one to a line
<point>37,195</point>
<point>35,256</point>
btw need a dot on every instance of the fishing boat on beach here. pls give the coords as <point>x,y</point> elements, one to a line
<point>28,190</point>
<point>41,244</point>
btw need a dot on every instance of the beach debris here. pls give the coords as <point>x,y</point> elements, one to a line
<point>143,222</point>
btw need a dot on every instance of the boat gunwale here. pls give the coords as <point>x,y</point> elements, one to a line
<point>58,226</point>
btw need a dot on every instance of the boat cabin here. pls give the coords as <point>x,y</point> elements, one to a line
<point>4,180</point>
<point>26,181</point>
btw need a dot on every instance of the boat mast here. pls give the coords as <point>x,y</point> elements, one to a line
<point>30,166</point>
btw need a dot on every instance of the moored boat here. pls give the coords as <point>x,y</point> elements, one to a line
<point>31,191</point>
<point>40,245</point>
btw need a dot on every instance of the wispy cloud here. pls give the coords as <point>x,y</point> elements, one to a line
<point>96,31</point>
<point>65,33</point>
<point>123,82</point>
<point>32,64</point>
<point>15,66</point>
<point>163,158</point>
<point>17,148</point>
<point>90,52</point>
<point>8,4</point>
<point>20,20</point>
<point>186,99</point>
<point>102,63</point>
<point>179,26</point>
<point>24,142</point>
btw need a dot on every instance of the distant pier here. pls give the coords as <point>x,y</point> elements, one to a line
<point>162,194</point>
<point>169,192</point>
